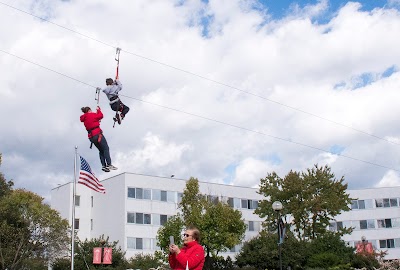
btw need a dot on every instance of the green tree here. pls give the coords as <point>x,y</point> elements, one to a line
<point>29,230</point>
<point>144,261</point>
<point>329,250</point>
<point>221,226</point>
<point>84,252</point>
<point>261,252</point>
<point>5,186</point>
<point>312,198</point>
<point>83,257</point>
<point>173,227</point>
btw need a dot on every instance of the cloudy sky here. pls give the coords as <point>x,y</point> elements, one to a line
<point>222,90</point>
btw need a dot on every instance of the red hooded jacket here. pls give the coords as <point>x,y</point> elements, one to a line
<point>91,120</point>
<point>192,254</point>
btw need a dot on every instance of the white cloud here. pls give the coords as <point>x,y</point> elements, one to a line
<point>283,111</point>
<point>390,179</point>
<point>250,171</point>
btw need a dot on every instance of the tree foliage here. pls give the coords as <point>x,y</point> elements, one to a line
<point>261,252</point>
<point>5,186</point>
<point>221,226</point>
<point>83,257</point>
<point>324,252</point>
<point>144,261</point>
<point>29,229</point>
<point>173,227</point>
<point>312,198</point>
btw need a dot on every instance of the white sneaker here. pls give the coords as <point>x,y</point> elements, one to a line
<point>112,167</point>
<point>106,169</point>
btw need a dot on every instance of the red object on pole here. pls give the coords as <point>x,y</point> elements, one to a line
<point>107,255</point>
<point>364,247</point>
<point>117,59</point>
<point>97,255</point>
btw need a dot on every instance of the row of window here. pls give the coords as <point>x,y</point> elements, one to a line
<point>176,197</point>
<point>378,203</point>
<point>157,219</point>
<point>151,244</point>
<point>382,243</point>
<point>142,218</point>
<point>366,224</point>
<point>141,243</point>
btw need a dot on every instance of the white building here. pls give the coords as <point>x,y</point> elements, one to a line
<point>135,206</point>
<point>375,215</point>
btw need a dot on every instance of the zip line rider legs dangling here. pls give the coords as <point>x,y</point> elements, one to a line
<point>112,89</point>
<point>91,120</point>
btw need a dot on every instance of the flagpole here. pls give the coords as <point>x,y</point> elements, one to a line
<point>73,210</point>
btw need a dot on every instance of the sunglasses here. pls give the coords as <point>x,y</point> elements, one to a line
<point>186,235</point>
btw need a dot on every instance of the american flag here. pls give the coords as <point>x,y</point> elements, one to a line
<point>87,178</point>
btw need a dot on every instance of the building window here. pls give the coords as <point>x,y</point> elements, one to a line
<point>386,243</point>
<point>139,243</point>
<point>131,193</point>
<point>77,224</point>
<point>171,196</point>
<point>130,217</point>
<point>147,219</point>
<point>213,199</point>
<point>147,194</point>
<point>139,218</point>
<point>393,202</point>
<point>251,226</point>
<point>91,224</point>
<point>254,204</point>
<point>339,225</point>
<point>180,195</point>
<point>163,219</point>
<point>367,224</point>
<point>139,193</point>
<point>395,222</point>
<point>385,223</point>
<point>386,202</point>
<point>77,200</point>
<point>131,243</point>
<point>163,196</point>
<point>357,204</point>
<point>91,201</point>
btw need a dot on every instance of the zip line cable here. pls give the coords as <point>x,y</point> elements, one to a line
<point>206,78</point>
<point>49,69</point>
<point>209,119</point>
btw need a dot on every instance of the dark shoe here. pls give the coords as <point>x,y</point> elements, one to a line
<point>106,169</point>
<point>117,118</point>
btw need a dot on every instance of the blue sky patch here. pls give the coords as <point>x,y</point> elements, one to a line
<point>336,149</point>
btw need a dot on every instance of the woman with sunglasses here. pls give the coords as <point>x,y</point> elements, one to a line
<point>191,255</point>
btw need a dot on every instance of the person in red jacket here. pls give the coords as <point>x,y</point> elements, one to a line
<point>191,255</point>
<point>91,120</point>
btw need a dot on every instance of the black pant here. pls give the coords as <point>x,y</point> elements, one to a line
<point>104,151</point>
<point>120,107</point>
